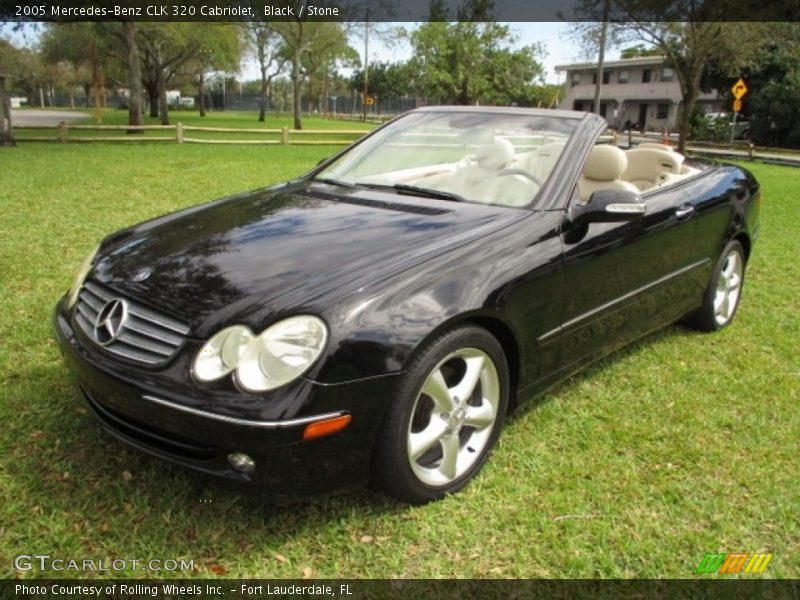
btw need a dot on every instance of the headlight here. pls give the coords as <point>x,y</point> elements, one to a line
<point>80,277</point>
<point>280,354</point>
<point>221,354</point>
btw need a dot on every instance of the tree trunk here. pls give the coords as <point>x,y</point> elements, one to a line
<point>152,94</point>
<point>201,92</point>
<point>6,131</point>
<point>134,77</point>
<point>296,86</point>
<point>163,106</point>
<point>691,87</point>
<point>262,111</point>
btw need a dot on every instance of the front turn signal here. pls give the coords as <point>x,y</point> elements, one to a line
<point>326,427</point>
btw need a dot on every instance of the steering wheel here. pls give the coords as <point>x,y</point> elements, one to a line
<point>518,171</point>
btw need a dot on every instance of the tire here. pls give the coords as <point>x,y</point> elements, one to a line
<point>721,298</point>
<point>433,441</point>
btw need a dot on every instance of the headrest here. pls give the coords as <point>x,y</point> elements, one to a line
<point>495,155</point>
<point>655,146</point>
<point>605,163</point>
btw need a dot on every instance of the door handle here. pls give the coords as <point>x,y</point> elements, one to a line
<point>684,211</point>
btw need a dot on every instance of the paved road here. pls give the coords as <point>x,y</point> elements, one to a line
<point>33,117</point>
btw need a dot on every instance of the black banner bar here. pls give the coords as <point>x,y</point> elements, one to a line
<point>388,11</point>
<point>385,589</point>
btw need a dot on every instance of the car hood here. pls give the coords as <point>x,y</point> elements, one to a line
<point>266,254</point>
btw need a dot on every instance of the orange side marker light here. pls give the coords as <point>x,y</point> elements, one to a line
<point>326,427</point>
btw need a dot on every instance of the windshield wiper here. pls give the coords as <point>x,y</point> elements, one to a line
<point>335,182</point>
<point>413,190</point>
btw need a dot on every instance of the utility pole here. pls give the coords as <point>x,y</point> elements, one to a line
<point>601,55</point>
<point>366,65</point>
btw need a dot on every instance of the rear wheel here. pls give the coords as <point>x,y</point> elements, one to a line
<point>721,298</point>
<point>445,418</point>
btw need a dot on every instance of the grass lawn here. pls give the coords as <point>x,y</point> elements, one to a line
<point>680,445</point>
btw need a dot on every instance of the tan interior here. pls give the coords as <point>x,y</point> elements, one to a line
<point>602,171</point>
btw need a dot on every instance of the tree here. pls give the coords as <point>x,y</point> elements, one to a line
<point>220,50</point>
<point>773,79</point>
<point>169,49</point>
<point>470,60</point>
<point>266,44</point>
<point>301,38</point>
<point>689,34</point>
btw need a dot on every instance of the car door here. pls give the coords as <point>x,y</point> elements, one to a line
<point>624,279</point>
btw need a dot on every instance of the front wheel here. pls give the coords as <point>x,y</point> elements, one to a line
<point>721,298</point>
<point>445,418</point>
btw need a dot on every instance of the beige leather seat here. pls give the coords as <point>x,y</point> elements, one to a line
<point>480,180</point>
<point>541,161</point>
<point>649,167</point>
<point>602,171</point>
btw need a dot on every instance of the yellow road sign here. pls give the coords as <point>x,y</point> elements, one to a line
<point>737,106</point>
<point>369,101</point>
<point>739,89</point>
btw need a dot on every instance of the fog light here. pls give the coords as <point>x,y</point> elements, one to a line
<point>241,462</point>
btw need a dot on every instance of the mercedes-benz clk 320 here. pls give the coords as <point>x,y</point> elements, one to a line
<point>378,318</point>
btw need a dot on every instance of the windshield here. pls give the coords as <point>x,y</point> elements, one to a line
<point>490,158</point>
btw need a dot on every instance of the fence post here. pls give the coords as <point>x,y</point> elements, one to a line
<point>285,136</point>
<point>179,132</point>
<point>62,132</point>
<point>751,150</point>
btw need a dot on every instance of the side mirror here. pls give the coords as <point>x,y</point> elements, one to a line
<point>608,206</point>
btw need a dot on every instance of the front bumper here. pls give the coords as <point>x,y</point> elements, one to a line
<point>155,419</point>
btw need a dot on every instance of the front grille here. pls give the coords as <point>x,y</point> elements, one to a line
<point>143,336</point>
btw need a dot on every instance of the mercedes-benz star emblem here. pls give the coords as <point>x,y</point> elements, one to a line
<point>110,321</point>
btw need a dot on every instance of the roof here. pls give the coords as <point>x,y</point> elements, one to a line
<point>636,61</point>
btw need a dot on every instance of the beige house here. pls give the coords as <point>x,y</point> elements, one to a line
<point>641,92</point>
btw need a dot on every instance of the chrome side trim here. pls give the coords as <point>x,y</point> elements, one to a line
<point>283,424</point>
<point>611,303</point>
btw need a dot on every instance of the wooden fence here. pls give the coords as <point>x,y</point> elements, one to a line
<point>181,134</point>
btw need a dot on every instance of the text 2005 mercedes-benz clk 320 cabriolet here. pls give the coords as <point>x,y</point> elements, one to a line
<point>379,317</point>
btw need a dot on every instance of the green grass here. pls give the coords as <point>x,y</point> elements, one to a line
<point>682,444</point>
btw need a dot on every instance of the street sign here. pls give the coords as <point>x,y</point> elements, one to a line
<point>369,101</point>
<point>739,89</point>
<point>737,106</point>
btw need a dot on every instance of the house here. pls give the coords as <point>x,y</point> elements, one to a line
<point>642,92</point>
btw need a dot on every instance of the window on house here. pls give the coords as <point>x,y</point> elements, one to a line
<point>662,111</point>
<point>576,79</point>
<point>646,76</point>
<point>606,77</point>
<point>623,76</point>
<point>667,74</point>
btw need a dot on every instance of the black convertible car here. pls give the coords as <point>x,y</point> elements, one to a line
<point>379,317</point>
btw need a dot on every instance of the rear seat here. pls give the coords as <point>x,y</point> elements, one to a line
<point>649,167</point>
